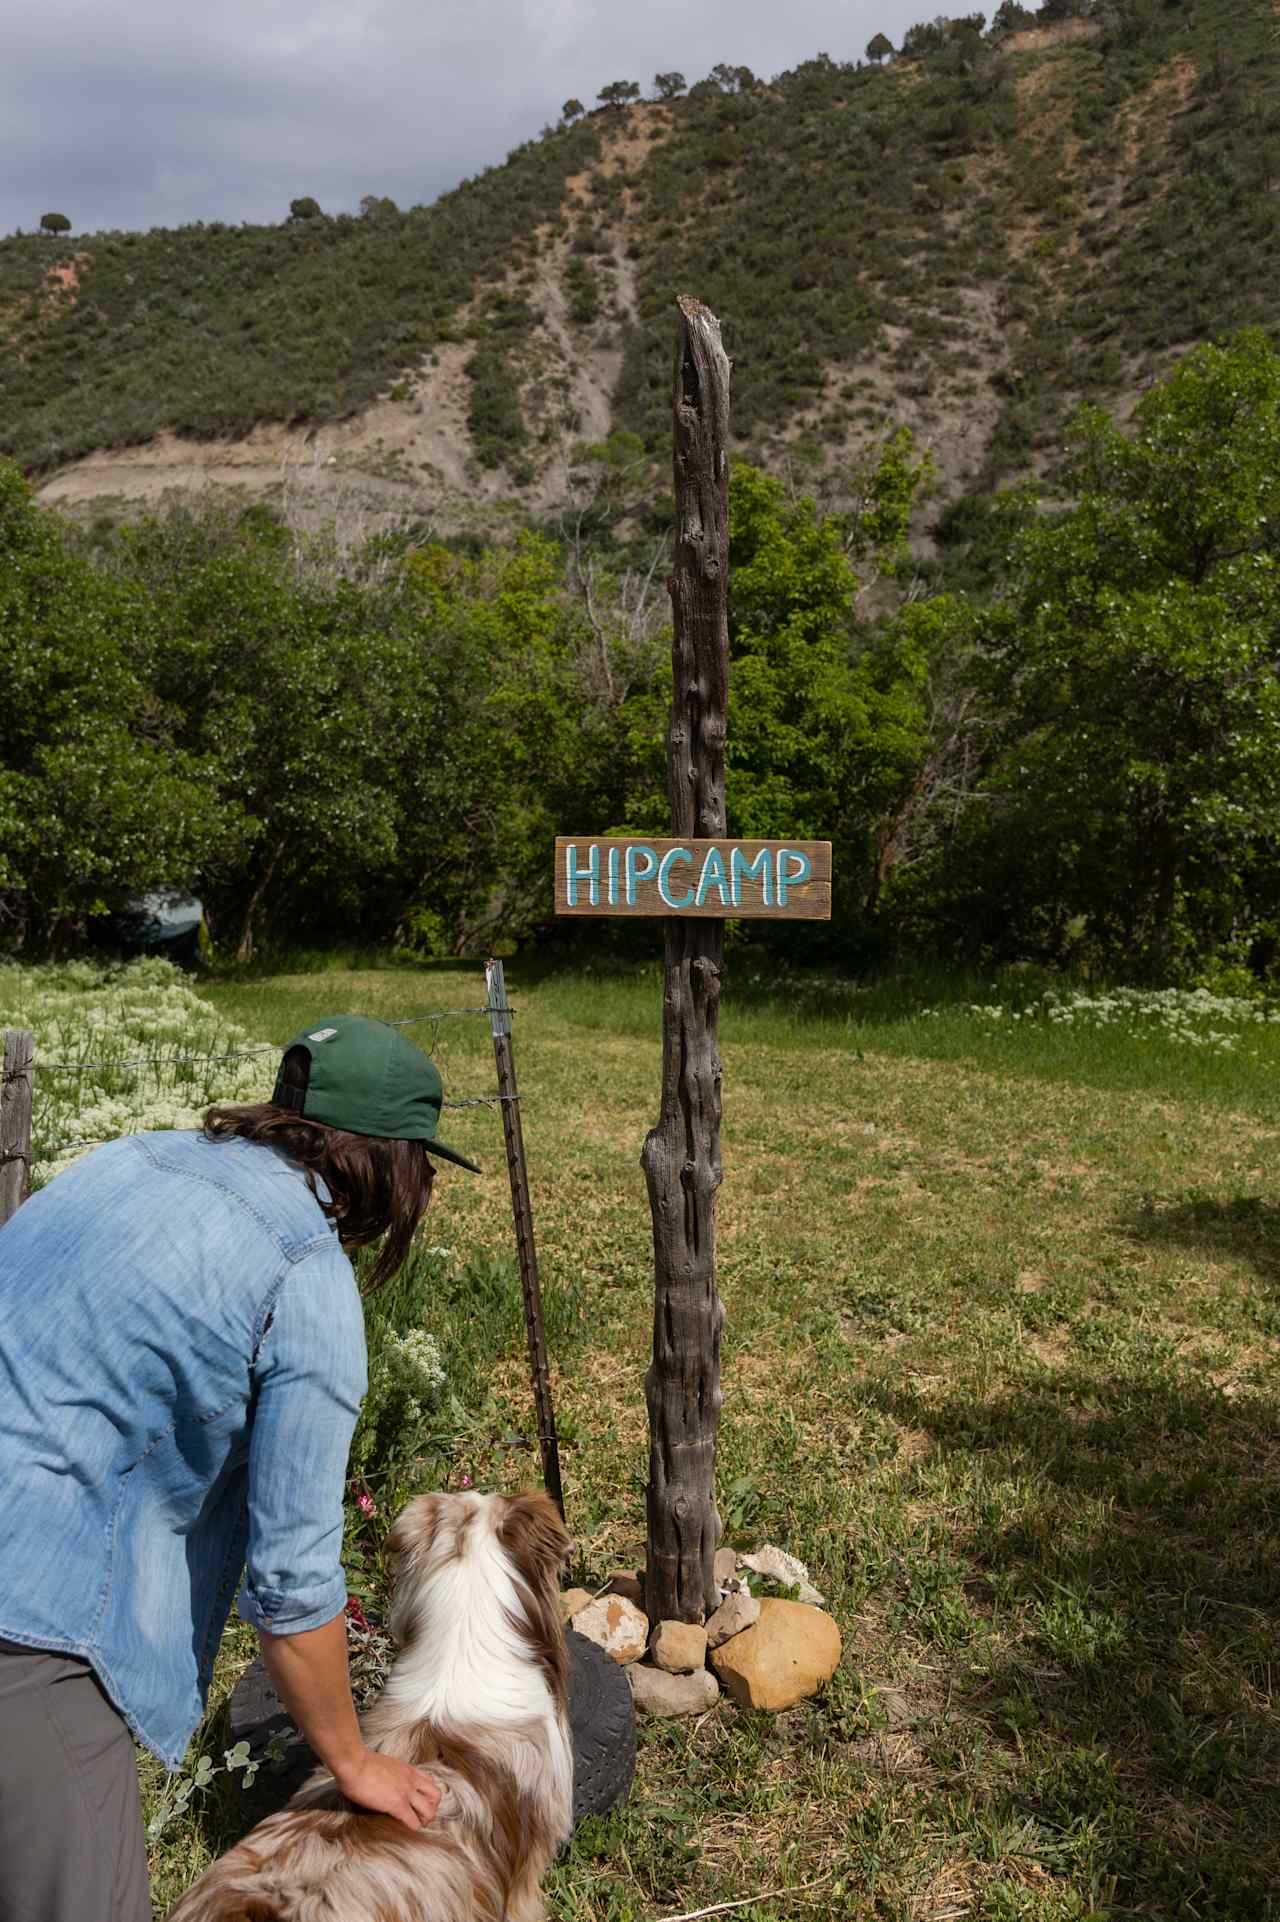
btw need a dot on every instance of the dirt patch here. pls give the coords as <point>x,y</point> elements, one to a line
<point>1041,39</point>
<point>410,458</point>
<point>63,278</point>
<point>626,141</point>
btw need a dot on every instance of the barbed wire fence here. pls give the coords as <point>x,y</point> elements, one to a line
<point>24,1067</point>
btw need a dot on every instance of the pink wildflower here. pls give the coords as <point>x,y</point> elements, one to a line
<point>356,1613</point>
<point>365,1503</point>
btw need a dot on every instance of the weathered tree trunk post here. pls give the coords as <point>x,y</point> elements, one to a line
<point>681,1155</point>
<point>15,1121</point>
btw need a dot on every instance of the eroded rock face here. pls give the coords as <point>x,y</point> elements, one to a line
<point>615,1625</point>
<point>657,1693</point>
<point>735,1613</point>
<point>679,1647</point>
<point>785,1656</point>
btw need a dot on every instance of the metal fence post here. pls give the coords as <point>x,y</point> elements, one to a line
<point>500,1023</point>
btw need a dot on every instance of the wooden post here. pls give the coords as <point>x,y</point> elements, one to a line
<point>681,1155</point>
<point>15,1121</point>
<point>500,1024</point>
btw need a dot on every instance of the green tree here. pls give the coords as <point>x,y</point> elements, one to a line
<point>619,93</point>
<point>572,110</point>
<point>54,224</point>
<point>1011,17</point>
<point>304,209</point>
<point>97,801</point>
<point>1135,660</point>
<point>523,741</point>
<point>828,723</point>
<point>879,48</point>
<point>669,86</point>
<point>297,688</point>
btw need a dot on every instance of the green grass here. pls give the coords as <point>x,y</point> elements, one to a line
<point>999,1364</point>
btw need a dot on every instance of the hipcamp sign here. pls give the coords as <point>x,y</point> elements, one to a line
<point>614,875</point>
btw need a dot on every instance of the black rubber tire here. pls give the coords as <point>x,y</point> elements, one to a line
<point>602,1723</point>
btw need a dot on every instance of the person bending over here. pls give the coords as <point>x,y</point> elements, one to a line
<point>182,1362</point>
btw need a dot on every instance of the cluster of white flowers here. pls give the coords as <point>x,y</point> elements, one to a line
<point>1192,1017</point>
<point>119,1048</point>
<point>406,1371</point>
<point>414,1359</point>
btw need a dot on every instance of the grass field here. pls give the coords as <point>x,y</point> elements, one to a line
<point>999,1364</point>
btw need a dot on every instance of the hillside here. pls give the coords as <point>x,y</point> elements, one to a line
<point>969,240</point>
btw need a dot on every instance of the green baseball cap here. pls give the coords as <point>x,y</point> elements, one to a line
<point>368,1078</point>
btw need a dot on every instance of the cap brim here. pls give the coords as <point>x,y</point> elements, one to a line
<point>434,1148</point>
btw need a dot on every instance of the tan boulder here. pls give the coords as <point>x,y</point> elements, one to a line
<point>788,1654</point>
<point>726,1565</point>
<point>657,1693</point>
<point>679,1647</point>
<point>571,1600</point>
<point>615,1625</point>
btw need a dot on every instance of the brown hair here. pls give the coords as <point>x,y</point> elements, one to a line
<point>380,1187</point>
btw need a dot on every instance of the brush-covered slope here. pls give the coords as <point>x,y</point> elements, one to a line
<point>969,240</point>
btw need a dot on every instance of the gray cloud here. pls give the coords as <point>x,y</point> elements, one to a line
<point>138,116</point>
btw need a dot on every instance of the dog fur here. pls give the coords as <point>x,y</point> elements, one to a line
<point>477,1695</point>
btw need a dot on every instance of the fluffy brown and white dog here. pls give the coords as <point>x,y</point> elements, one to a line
<point>477,1694</point>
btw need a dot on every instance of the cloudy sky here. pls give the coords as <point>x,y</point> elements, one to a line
<point>154,112</point>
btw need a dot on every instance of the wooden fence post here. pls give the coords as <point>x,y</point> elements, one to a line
<point>15,1121</point>
<point>522,1209</point>
<point>681,1155</point>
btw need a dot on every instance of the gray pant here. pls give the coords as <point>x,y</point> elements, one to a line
<point>71,1842</point>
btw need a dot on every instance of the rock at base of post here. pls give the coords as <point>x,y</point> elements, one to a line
<point>785,1656</point>
<point>615,1625</point>
<point>679,1647</point>
<point>657,1693</point>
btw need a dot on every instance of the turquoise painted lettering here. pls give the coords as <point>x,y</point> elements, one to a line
<point>635,872</point>
<point>712,876</point>
<point>800,872</point>
<point>740,870</point>
<point>590,874</point>
<point>611,894</point>
<point>664,876</point>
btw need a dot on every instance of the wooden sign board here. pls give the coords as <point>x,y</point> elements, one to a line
<point>783,880</point>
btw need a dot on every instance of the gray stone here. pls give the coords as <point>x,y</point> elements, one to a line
<point>895,1707</point>
<point>736,1612</point>
<point>657,1693</point>
<point>726,1566</point>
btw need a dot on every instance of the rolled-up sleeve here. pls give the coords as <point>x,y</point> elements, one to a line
<point>310,1379</point>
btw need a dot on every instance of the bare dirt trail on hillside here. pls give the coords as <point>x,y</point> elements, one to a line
<point>411,457</point>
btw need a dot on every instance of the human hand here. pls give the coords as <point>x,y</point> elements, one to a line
<point>390,1787</point>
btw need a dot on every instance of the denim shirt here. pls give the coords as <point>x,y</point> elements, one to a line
<point>182,1361</point>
